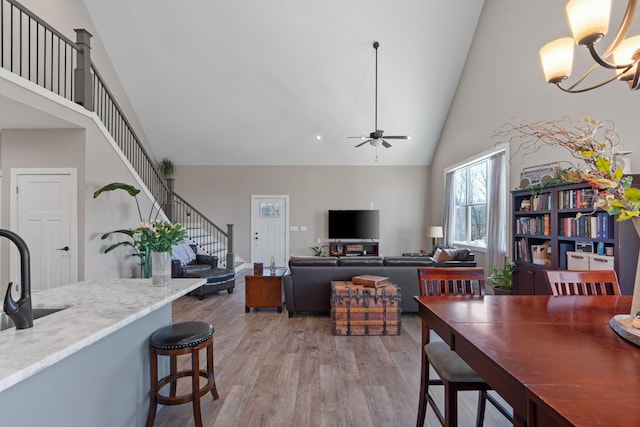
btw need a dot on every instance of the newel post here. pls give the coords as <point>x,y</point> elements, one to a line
<point>82,77</point>
<point>168,209</point>
<point>231,256</point>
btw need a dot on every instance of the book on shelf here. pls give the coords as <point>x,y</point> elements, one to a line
<point>522,250</point>
<point>575,199</point>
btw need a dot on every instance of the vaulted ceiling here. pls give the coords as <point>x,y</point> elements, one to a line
<point>251,82</point>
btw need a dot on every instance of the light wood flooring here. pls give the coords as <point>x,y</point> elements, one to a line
<point>272,370</point>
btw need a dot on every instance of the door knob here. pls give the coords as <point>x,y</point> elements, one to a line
<point>66,249</point>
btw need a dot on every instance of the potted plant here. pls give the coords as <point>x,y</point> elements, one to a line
<point>151,235</point>
<point>166,168</point>
<point>319,250</point>
<point>500,279</point>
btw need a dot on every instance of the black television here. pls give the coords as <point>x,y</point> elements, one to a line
<point>354,224</point>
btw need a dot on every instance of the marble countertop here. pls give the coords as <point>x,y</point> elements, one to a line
<point>95,309</point>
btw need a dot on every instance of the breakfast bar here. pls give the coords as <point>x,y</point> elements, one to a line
<point>87,364</point>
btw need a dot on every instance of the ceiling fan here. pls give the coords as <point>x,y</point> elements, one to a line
<point>377,137</point>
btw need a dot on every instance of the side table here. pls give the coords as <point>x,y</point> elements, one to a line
<point>265,290</point>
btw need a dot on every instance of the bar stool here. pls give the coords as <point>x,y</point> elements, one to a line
<point>172,341</point>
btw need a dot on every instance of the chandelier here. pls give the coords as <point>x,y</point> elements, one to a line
<point>589,22</point>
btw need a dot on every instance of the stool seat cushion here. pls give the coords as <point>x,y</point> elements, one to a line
<point>181,335</point>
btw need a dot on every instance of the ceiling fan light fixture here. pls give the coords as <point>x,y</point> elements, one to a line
<point>375,138</point>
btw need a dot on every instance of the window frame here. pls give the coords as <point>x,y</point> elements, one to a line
<point>468,205</point>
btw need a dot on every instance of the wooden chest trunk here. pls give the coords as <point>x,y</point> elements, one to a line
<point>359,310</point>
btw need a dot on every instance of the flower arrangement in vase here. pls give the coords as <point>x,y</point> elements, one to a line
<point>149,236</point>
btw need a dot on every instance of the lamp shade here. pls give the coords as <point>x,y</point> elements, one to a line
<point>435,232</point>
<point>624,54</point>
<point>557,59</point>
<point>588,19</point>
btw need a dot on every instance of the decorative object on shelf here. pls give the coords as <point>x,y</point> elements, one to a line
<point>377,137</point>
<point>435,232</point>
<point>501,278</point>
<point>148,236</point>
<point>540,175</point>
<point>258,268</point>
<point>272,266</point>
<point>589,22</point>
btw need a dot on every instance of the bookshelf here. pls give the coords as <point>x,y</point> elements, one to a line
<point>550,222</point>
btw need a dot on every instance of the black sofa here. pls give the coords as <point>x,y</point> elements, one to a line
<point>307,287</point>
<point>205,267</point>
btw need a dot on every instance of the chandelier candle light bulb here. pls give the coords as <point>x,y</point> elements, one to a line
<point>588,19</point>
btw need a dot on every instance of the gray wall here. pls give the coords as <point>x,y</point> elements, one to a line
<point>503,80</point>
<point>400,193</point>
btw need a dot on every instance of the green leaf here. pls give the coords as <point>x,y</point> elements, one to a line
<point>632,194</point>
<point>112,247</point>
<point>603,165</point>
<point>129,233</point>
<point>133,191</point>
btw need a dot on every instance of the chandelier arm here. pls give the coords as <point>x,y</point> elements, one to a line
<point>623,29</point>
<point>571,90</point>
<point>584,76</point>
<point>602,62</point>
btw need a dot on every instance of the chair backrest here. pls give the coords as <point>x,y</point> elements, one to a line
<point>591,282</point>
<point>451,281</point>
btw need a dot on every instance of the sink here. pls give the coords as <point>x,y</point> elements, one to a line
<point>6,322</point>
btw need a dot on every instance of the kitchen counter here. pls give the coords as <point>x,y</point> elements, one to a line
<point>97,310</point>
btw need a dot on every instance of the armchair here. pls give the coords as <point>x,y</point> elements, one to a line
<point>204,267</point>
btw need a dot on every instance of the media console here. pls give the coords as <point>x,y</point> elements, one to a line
<point>354,248</point>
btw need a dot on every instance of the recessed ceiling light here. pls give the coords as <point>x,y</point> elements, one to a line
<point>318,137</point>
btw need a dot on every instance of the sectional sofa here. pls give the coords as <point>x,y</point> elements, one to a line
<point>307,287</point>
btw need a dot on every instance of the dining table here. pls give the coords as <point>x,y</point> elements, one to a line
<point>554,359</point>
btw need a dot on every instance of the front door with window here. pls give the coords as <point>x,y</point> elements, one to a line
<point>269,229</point>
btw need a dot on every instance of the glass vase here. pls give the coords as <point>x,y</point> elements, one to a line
<point>160,268</point>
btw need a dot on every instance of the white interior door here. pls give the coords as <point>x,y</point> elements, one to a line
<point>270,229</point>
<point>44,214</point>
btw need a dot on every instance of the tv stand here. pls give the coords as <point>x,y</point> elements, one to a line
<point>354,248</point>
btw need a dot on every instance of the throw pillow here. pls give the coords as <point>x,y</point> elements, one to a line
<point>462,254</point>
<point>183,252</point>
<point>442,255</point>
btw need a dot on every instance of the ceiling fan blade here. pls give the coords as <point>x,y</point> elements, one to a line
<point>398,137</point>
<point>385,144</point>
<point>362,137</point>
<point>362,143</point>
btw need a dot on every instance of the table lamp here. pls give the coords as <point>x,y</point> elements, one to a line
<point>435,232</point>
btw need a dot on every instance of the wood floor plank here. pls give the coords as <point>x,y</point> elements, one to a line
<point>272,370</point>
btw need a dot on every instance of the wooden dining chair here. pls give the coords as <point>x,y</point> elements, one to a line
<point>454,373</point>
<point>588,282</point>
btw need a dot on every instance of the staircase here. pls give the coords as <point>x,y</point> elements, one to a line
<point>49,59</point>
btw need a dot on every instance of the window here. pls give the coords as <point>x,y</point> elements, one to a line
<point>470,204</point>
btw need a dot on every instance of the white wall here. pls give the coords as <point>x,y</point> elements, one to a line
<point>400,193</point>
<point>503,79</point>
